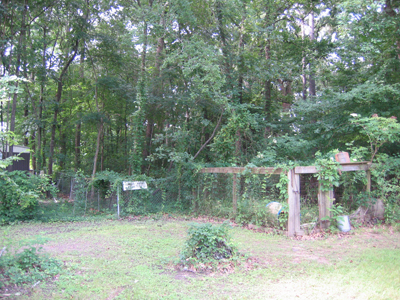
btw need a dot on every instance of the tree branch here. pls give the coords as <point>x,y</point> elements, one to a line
<point>212,135</point>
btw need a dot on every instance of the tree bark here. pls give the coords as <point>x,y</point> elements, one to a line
<point>99,133</point>
<point>303,63</point>
<point>268,85</point>
<point>21,41</point>
<point>56,110</point>
<point>38,153</point>
<point>312,38</point>
<point>78,146</point>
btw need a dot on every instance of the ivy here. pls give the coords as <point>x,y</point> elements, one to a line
<point>327,168</point>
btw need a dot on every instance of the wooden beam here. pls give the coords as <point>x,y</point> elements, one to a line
<point>240,170</point>
<point>346,167</point>
<point>352,166</point>
<point>305,170</point>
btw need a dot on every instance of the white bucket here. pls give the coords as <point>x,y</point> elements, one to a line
<point>344,223</point>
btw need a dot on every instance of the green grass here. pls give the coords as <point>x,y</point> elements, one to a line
<point>132,260</point>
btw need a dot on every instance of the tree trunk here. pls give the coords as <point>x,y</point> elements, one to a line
<point>312,38</point>
<point>21,41</point>
<point>267,93</point>
<point>40,162</point>
<point>78,146</point>
<point>303,64</point>
<point>56,110</point>
<point>99,133</point>
<point>63,147</point>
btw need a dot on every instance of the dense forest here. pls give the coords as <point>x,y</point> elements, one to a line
<point>157,87</point>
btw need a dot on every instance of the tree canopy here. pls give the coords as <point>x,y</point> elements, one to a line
<point>151,86</point>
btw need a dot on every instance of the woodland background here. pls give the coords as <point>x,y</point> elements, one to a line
<point>161,89</point>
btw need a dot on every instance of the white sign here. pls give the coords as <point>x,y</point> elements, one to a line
<point>134,185</point>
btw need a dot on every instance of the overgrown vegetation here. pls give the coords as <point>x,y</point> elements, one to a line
<point>207,246</point>
<point>26,265</point>
<point>197,99</point>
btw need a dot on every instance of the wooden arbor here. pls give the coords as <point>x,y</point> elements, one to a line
<point>325,199</point>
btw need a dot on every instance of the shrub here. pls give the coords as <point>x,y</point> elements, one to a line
<point>19,194</point>
<point>26,267</point>
<point>207,243</point>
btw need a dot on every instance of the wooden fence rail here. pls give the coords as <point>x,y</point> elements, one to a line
<point>325,198</point>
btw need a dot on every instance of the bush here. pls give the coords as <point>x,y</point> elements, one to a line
<point>26,267</point>
<point>19,194</point>
<point>207,243</point>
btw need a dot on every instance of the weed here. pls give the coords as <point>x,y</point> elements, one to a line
<point>27,266</point>
<point>207,244</point>
<point>337,213</point>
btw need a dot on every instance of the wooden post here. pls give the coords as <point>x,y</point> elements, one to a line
<point>325,201</point>
<point>294,204</point>
<point>368,181</point>
<point>234,194</point>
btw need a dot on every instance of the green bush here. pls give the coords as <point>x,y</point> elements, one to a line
<point>19,194</point>
<point>26,267</point>
<point>207,243</point>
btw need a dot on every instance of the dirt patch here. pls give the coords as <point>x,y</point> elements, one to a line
<point>184,275</point>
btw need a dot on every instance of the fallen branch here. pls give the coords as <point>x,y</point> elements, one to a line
<point>212,135</point>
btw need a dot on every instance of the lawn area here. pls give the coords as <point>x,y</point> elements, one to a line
<point>131,259</point>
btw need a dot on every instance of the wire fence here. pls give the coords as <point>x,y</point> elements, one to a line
<point>202,193</point>
<point>160,196</point>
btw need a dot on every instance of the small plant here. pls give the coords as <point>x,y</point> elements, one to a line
<point>283,216</point>
<point>26,266</point>
<point>337,212</point>
<point>206,244</point>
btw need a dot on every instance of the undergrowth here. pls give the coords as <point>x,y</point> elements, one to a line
<point>26,265</point>
<point>208,247</point>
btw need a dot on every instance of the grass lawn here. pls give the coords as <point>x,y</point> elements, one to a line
<point>131,259</point>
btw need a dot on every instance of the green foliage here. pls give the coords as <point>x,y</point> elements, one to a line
<point>8,87</point>
<point>27,266</point>
<point>328,169</point>
<point>254,212</point>
<point>8,138</point>
<point>379,131</point>
<point>19,195</point>
<point>134,202</point>
<point>80,192</point>
<point>337,211</point>
<point>353,185</point>
<point>385,174</point>
<point>207,243</point>
<point>283,216</point>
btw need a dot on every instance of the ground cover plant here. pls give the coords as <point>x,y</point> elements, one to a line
<point>27,266</point>
<point>131,259</point>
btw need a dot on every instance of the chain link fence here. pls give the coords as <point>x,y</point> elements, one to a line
<point>162,195</point>
<point>202,193</point>
<point>214,196</point>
